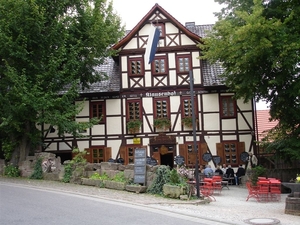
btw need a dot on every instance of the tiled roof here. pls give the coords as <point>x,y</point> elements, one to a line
<point>112,83</point>
<point>263,123</point>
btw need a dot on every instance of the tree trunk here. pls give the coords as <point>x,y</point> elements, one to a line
<point>22,150</point>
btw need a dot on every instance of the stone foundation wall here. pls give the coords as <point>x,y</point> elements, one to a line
<point>81,170</point>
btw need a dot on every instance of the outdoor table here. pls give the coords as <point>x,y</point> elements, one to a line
<point>295,187</point>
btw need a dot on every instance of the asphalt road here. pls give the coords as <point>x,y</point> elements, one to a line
<point>33,206</point>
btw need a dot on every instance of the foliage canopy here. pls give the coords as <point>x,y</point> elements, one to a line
<point>49,51</point>
<point>257,43</point>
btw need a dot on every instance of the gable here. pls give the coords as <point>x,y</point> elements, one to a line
<point>156,15</point>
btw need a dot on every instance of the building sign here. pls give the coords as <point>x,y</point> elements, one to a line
<point>136,141</point>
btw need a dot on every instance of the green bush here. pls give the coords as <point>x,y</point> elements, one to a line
<point>97,176</point>
<point>120,177</point>
<point>256,172</point>
<point>68,173</point>
<point>11,171</point>
<point>78,159</point>
<point>176,179</point>
<point>162,177</point>
<point>38,170</point>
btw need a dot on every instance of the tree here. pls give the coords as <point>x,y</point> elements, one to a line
<point>257,43</point>
<point>49,50</point>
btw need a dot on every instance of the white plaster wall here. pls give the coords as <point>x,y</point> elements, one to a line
<point>195,60</point>
<point>211,143</point>
<point>210,103</point>
<point>244,106</point>
<point>124,64</point>
<point>52,147</point>
<point>113,107</point>
<point>124,80</point>
<point>115,125</point>
<point>148,106</point>
<point>115,145</point>
<point>148,81</point>
<point>98,143</point>
<point>247,139</point>
<point>85,110</point>
<point>242,123</point>
<point>132,44</point>
<point>211,121</point>
<point>82,145</point>
<point>172,77</point>
<point>170,28</point>
<point>98,129</point>
<point>64,146</point>
<point>197,76</point>
<point>191,138</point>
<point>171,60</point>
<point>186,40</point>
<point>229,124</point>
<point>229,137</point>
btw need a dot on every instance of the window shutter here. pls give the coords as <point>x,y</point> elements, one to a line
<point>107,153</point>
<point>241,148</point>
<point>220,152</point>
<point>203,149</point>
<point>156,155</point>
<point>123,154</point>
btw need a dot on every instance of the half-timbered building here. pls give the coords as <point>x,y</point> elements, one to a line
<point>150,93</point>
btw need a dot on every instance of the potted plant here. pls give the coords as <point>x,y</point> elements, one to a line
<point>187,121</point>
<point>133,126</point>
<point>118,182</point>
<point>162,123</point>
<point>176,186</point>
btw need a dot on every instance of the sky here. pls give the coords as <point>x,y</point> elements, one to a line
<point>199,11</point>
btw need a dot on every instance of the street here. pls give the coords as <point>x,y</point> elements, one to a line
<point>32,206</point>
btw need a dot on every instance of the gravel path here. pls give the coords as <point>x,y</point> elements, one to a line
<point>230,206</point>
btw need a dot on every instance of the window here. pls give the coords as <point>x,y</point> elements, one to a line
<point>228,107</point>
<point>98,111</point>
<point>183,63</point>
<point>159,66</point>
<point>161,28</point>
<point>134,110</point>
<point>136,67</point>
<point>186,109</point>
<point>161,109</point>
<point>98,155</point>
<point>230,152</point>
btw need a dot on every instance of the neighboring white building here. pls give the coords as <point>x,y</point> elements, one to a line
<point>135,91</point>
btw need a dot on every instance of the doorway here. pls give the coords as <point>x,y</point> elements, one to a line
<point>167,160</point>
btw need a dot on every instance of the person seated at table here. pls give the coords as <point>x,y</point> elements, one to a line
<point>230,175</point>
<point>224,168</point>
<point>218,170</point>
<point>208,172</point>
<point>239,173</point>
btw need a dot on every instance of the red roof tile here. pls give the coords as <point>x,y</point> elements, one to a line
<point>263,123</point>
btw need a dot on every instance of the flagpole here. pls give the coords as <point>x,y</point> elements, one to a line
<point>194,131</point>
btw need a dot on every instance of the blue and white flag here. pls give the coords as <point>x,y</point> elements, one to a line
<point>152,44</point>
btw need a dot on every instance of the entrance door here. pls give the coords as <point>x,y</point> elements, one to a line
<point>167,159</point>
<point>164,154</point>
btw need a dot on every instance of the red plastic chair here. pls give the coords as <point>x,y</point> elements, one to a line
<point>275,190</point>
<point>263,190</point>
<point>252,191</point>
<point>207,191</point>
<point>217,184</point>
